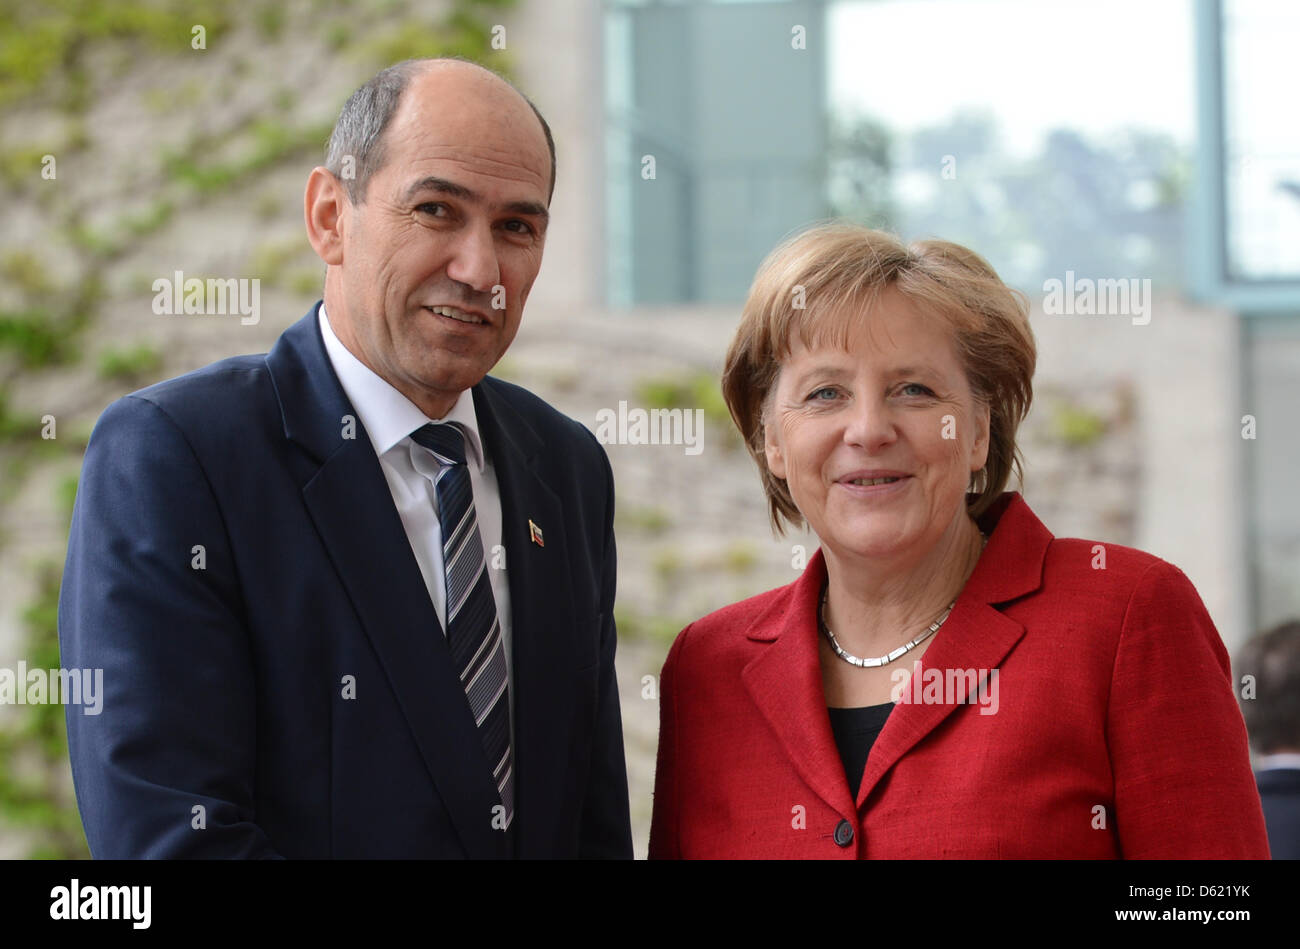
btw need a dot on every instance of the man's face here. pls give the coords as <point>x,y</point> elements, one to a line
<point>439,259</point>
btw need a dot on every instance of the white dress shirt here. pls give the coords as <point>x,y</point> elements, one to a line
<point>389,418</point>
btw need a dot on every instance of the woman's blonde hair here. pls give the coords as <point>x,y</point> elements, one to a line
<point>818,281</point>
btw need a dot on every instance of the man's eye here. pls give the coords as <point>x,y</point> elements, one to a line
<point>431,207</point>
<point>519,227</point>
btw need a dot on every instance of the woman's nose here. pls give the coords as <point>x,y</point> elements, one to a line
<point>870,424</point>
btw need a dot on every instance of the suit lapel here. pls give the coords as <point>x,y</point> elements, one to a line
<point>785,681</point>
<point>975,636</point>
<point>541,602</point>
<point>351,505</point>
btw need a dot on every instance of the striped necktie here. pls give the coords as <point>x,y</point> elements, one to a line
<point>473,629</point>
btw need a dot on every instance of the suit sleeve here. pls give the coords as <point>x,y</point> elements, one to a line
<point>606,819</point>
<point>1183,783</point>
<point>165,768</point>
<point>665,838</point>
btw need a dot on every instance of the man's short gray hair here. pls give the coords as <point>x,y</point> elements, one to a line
<point>359,131</point>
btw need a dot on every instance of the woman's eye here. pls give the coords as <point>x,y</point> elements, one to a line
<point>916,385</point>
<point>817,394</point>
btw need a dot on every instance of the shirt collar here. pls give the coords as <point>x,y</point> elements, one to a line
<point>1283,759</point>
<point>388,416</point>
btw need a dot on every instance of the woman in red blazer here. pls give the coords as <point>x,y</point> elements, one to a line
<point>945,678</point>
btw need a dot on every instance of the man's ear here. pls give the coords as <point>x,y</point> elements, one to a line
<point>323,208</point>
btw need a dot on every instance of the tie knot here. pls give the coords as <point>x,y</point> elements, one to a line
<point>445,440</point>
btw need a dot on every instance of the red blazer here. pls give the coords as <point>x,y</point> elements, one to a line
<point>1116,731</point>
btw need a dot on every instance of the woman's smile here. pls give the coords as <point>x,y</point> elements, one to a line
<point>873,489</point>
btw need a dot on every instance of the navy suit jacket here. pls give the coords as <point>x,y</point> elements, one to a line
<point>1279,790</point>
<point>287,689</point>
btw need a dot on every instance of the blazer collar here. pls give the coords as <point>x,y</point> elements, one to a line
<point>389,416</point>
<point>350,503</point>
<point>1012,563</point>
<point>785,680</point>
<point>312,402</point>
<point>1278,780</point>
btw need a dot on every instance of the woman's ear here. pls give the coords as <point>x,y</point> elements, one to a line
<point>979,452</point>
<point>772,446</point>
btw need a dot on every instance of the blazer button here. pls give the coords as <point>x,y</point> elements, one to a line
<point>844,833</point>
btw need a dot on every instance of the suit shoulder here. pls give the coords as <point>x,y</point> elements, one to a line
<point>1121,583</point>
<point>1099,561</point>
<point>225,394</point>
<point>545,419</point>
<point>216,385</point>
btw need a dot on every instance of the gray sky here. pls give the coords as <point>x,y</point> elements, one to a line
<point>1091,65</point>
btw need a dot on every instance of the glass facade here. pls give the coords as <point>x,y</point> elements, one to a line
<point>716,143</point>
<point>1029,145</point>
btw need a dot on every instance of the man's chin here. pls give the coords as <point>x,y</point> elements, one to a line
<point>443,383</point>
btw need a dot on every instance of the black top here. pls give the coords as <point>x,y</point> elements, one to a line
<point>855,731</point>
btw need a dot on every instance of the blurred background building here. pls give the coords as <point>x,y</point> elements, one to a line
<point>1082,139</point>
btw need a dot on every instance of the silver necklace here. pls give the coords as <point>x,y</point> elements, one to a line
<point>890,657</point>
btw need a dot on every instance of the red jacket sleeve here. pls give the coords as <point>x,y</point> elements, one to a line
<point>1184,788</point>
<point>665,840</point>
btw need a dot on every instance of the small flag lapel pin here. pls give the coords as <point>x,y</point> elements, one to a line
<point>535,534</point>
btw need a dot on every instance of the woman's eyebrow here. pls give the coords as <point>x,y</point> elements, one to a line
<point>914,371</point>
<point>827,372</point>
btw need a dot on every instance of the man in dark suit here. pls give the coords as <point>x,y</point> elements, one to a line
<point>1270,704</point>
<point>354,598</point>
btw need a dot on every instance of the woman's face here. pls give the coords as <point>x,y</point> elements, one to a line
<point>895,404</point>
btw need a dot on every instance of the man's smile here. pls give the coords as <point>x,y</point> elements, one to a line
<point>468,317</point>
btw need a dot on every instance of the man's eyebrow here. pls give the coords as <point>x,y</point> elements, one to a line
<point>451,188</point>
<point>441,185</point>
<point>529,208</point>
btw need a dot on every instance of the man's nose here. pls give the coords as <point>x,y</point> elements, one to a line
<point>474,259</point>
